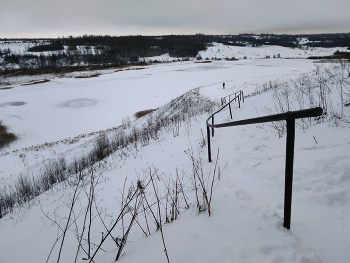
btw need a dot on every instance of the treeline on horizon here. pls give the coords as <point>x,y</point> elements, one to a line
<point>102,51</point>
<point>288,40</point>
<point>123,50</point>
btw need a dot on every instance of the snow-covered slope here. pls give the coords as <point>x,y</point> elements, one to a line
<point>247,203</point>
<point>221,51</point>
<point>65,108</point>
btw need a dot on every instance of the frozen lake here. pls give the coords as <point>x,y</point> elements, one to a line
<point>68,107</point>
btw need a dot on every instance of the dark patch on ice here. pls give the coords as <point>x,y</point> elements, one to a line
<point>6,88</point>
<point>266,66</point>
<point>77,103</point>
<point>13,103</point>
<point>203,68</point>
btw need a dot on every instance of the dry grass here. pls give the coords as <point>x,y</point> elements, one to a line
<point>119,68</point>
<point>140,114</point>
<point>33,82</point>
<point>6,137</point>
<point>127,67</point>
<point>206,61</point>
<point>88,76</point>
<point>333,57</point>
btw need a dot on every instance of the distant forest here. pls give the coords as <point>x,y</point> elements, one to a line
<point>107,51</point>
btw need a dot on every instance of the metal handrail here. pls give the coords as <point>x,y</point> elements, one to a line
<point>290,118</point>
<point>313,112</point>
<point>238,97</point>
<point>223,99</point>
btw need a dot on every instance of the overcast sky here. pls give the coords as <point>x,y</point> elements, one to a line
<point>57,18</point>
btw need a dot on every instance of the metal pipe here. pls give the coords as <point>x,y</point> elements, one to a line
<point>212,129</point>
<point>289,172</point>
<point>208,137</point>
<point>290,118</point>
<point>314,112</point>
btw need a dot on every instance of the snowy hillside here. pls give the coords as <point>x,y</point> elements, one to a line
<point>220,51</point>
<point>157,160</point>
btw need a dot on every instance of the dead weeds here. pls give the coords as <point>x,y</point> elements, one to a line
<point>206,61</point>
<point>140,114</point>
<point>5,88</point>
<point>33,82</point>
<point>88,76</point>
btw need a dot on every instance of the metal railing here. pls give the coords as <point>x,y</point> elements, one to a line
<point>290,118</point>
<point>238,96</point>
<point>234,95</point>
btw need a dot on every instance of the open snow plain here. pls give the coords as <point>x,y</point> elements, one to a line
<point>247,207</point>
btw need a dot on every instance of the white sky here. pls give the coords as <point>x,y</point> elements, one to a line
<point>55,18</point>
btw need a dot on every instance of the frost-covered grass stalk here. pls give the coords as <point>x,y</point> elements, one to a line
<point>148,203</point>
<point>315,89</point>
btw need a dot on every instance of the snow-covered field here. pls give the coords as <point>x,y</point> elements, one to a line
<point>247,205</point>
<point>222,51</point>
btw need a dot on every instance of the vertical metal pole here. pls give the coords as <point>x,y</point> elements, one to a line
<point>229,105</point>
<point>209,150</point>
<point>239,101</point>
<point>242,95</point>
<point>289,172</point>
<point>212,128</point>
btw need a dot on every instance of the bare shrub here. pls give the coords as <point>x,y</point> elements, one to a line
<point>24,189</point>
<point>143,202</point>
<point>53,172</point>
<point>6,137</point>
<point>101,149</point>
<point>176,197</point>
<point>203,183</point>
<point>120,140</point>
<point>7,200</point>
<point>78,165</point>
<point>126,122</point>
<point>311,90</point>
